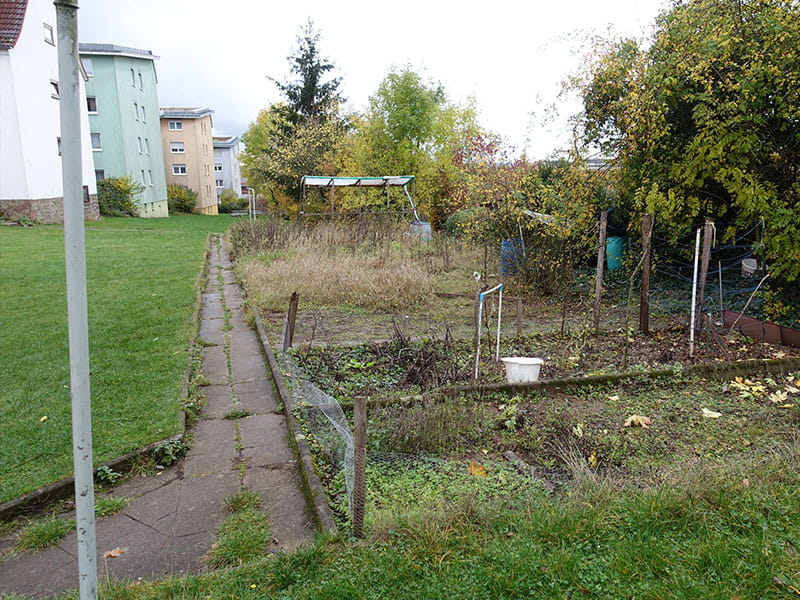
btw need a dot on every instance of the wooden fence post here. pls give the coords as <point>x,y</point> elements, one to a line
<point>520,310</point>
<point>288,326</point>
<point>708,234</point>
<point>644,298</point>
<point>360,464</point>
<point>601,253</point>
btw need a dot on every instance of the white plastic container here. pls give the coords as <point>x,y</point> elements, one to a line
<point>522,369</point>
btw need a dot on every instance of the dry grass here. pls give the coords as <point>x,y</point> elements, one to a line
<point>366,263</point>
<point>323,278</point>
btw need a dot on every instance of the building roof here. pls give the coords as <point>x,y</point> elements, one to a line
<point>173,112</point>
<point>114,50</point>
<point>12,14</point>
<point>225,141</point>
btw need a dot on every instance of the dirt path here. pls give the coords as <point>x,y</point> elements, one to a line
<point>171,521</point>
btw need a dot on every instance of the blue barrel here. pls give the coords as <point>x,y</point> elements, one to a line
<point>615,248</point>
<point>510,256</point>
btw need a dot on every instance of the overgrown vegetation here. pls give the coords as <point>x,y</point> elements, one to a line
<point>366,263</point>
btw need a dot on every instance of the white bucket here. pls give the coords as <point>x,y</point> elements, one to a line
<point>521,369</point>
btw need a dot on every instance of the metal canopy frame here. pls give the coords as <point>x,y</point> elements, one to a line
<point>386,181</point>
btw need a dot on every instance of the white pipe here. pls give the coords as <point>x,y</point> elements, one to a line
<point>478,346</point>
<point>499,312</point>
<point>694,294</point>
<point>77,316</point>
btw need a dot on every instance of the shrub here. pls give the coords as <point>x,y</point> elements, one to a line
<point>229,202</point>
<point>181,199</point>
<point>116,196</point>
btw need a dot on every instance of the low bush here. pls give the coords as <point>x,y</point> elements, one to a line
<point>116,196</point>
<point>230,202</point>
<point>181,199</point>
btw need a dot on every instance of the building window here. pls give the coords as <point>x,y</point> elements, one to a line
<point>91,104</point>
<point>219,183</point>
<point>48,34</point>
<point>218,167</point>
<point>146,146</point>
<point>58,142</point>
<point>133,78</point>
<point>99,174</point>
<point>136,110</point>
<point>179,169</point>
<point>144,116</point>
<point>175,125</point>
<point>139,143</point>
<point>86,199</point>
<point>144,181</point>
<point>150,178</point>
<point>96,144</point>
<point>176,147</point>
<point>141,84</point>
<point>88,66</point>
<point>54,93</point>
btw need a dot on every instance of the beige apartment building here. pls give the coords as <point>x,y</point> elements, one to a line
<point>189,153</point>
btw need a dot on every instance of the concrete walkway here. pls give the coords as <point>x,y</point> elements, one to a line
<point>170,523</point>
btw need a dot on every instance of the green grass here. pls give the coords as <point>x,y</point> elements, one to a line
<point>105,506</point>
<point>43,534</point>
<point>141,291</point>
<point>718,531</point>
<point>244,536</point>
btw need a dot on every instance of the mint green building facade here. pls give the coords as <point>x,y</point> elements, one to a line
<point>122,99</point>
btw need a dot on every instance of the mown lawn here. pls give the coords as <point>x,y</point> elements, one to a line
<point>142,278</point>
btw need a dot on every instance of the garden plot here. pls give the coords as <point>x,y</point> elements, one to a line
<point>427,451</point>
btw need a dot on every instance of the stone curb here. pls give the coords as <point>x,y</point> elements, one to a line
<point>312,487</point>
<point>65,488</point>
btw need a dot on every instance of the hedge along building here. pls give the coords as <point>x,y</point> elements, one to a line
<point>122,103</point>
<point>30,123</point>
<point>189,154</point>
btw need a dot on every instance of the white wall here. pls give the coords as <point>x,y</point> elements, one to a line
<point>29,117</point>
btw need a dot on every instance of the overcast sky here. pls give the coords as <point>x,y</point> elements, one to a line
<point>509,55</point>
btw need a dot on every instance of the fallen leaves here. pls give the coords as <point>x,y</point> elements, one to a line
<point>115,553</point>
<point>476,469</point>
<point>711,414</point>
<point>638,421</point>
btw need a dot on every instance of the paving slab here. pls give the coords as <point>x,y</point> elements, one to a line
<point>215,364</point>
<point>256,396</point>
<point>219,401</point>
<point>214,448</point>
<point>265,440</point>
<point>211,305</point>
<point>212,331</point>
<point>247,366</point>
